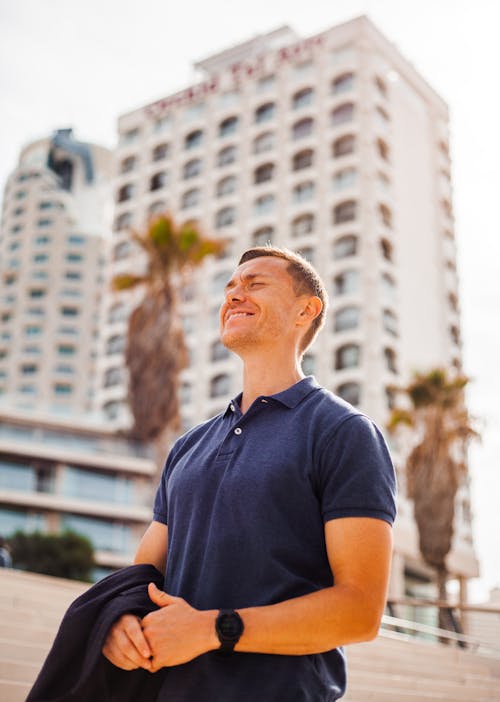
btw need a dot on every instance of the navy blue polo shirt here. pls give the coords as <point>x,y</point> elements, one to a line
<point>246,498</point>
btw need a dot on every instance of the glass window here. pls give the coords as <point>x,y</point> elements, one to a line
<point>122,250</point>
<point>264,204</point>
<point>263,236</point>
<point>40,258</point>
<point>126,192</point>
<point>193,140</point>
<point>343,146</point>
<point>344,212</point>
<point>382,149</point>
<point>117,313</point>
<point>66,350</point>
<point>157,207</point>
<point>302,98</point>
<point>303,128</point>
<point>385,215</point>
<point>381,116</point>
<point>350,392</point>
<point>192,168</point>
<point>303,191</point>
<point>28,369</point>
<point>306,252</point>
<point>128,164</point>
<point>219,282</point>
<point>225,217</point>
<point>77,239</point>
<point>266,83</point>
<point>130,135</point>
<point>17,476</point>
<point>104,534</point>
<point>388,288</point>
<point>193,112</point>
<point>160,152</point>
<point>37,292</point>
<point>226,186</point>
<point>347,356</point>
<point>381,86</point>
<point>390,360</point>
<point>162,123</point>
<point>74,257</point>
<point>228,126</point>
<point>115,344</point>
<point>190,198</point>
<point>218,352</point>
<point>264,142</point>
<point>303,225</point>
<point>387,249</point>
<point>32,330</point>
<point>347,318</point>
<point>70,311</point>
<point>226,156</point>
<point>220,385</point>
<point>342,114</point>
<point>308,364</point>
<point>345,246</point>
<point>100,487</point>
<point>44,223</point>
<point>124,221</point>
<point>343,83</point>
<point>390,322</point>
<point>303,159</point>
<point>230,97</point>
<point>63,388</point>
<point>158,180</point>
<point>346,283</point>
<point>16,520</point>
<point>113,376</point>
<point>346,178</point>
<point>265,112</point>
<point>263,173</point>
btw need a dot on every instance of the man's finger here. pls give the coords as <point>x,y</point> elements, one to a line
<point>135,634</point>
<point>160,598</point>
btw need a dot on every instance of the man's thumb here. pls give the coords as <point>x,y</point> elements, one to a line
<point>162,599</point>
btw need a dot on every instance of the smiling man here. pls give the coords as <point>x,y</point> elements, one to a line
<point>272,521</point>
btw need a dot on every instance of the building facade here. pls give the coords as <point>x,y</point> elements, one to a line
<point>56,213</point>
<point>333,146</point>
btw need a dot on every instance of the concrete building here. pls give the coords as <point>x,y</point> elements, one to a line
<point>332,145</point>
<point>56,212</point>
<point>55,475</point>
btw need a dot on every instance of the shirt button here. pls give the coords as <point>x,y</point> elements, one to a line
<point>237,431</point>
<point>232,407</point>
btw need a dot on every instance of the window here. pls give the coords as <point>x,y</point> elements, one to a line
<point>44,223</point>
<point>76,239</point>
<point>70,311</point>
<point>162,123</point>
<point>122,250</point>
<point>301,70</point>
<point>37,292</point>
<point>388,288</point>
<point>382,149</point>
<point>218,352</point>
<point>193,112</point>
<point>390,397</point>
<point>160,152</point>
<point>40,258</point>
<point>265,83</point>
<point>303,128</point>
<point>343,83</point>
<point>220,385</point>
<point>263,236</point>
<point>347,356</point>
<point>128,164</point>
<point>344,212</point>
<point>386,249</point>
<point>303,191</point>
<point>381,86</point>
<point>453,301</point>
<point>74,257</point>
<point>28,369</point>
<point>190,198</point>
<point>342,114</point>
<point>264,142</point>
<point>264,204</point>
<point>113,376</point>
<point>32,330</point>
<point>346,283</point>
<point>226,156</point>
<point>158,180</point>
<point>115,344</point>
<point>347,318</point>
<point>455,335</point>
<point>112,409</point>
<point>390,360</point>
<point>193,140</point>
<point>192,168</point>
<point>226,186</point>
<point>390,322</point>
<point>381,116</point>
<point>343,146</point>
<point>157,207</point>
<point>302,98</point>
<point>117,313</point>
<point>228,126</point>
<point>130,135</point>
<point>303,159</point>
<point>46,205</point>
<point>263,173</point>
<point>64,369</point>
<point>126,192</point>
<point>66,350</point>
<point>230,97</point>
<point>306,252</point>
<point>345,246</point>
<point>385,215</point>
<point>225,217</point>
<point>308,364</point>
<point>383,181</point>
<point>346,178</point>
<point>350,392</point>
<point>123,221</point>
<point>265,112</point>
<point>303,225</point>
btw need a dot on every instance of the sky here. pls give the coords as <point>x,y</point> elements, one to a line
<point>82,63</point>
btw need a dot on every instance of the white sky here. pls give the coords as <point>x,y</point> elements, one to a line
<point>81,63</point>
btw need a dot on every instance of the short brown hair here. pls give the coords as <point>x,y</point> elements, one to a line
<point>305,281</point>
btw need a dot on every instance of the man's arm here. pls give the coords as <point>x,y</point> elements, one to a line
<point>125,645</point>
<point>359,552</point>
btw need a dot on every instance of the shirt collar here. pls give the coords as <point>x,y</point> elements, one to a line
<point>290,397</point>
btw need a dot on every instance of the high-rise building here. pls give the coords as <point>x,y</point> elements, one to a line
<point>336,147</point>
<point>56,213</point>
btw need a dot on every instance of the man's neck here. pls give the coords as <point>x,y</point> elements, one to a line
<point>267,377</point>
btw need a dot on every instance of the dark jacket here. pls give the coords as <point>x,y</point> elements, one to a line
<point>75,669</point>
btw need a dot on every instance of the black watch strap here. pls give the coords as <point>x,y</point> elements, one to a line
<point>229,628</point>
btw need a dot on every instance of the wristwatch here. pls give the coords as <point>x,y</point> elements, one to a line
<point>229,628</point>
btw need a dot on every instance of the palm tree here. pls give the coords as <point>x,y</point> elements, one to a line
<point>156,351</point>
<point>436,465</point>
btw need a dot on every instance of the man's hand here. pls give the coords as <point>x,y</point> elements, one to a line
<point>126,646</point>
<point>177,632</point>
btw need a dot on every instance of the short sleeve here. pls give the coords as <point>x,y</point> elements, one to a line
<point>160,508</point>
<point>356,473</point>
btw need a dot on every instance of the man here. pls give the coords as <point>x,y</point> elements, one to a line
<point>272,519</point>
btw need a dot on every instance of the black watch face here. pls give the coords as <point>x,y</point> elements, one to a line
<point>230,626</point>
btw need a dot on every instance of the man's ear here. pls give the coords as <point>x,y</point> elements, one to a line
<point>311,309</point>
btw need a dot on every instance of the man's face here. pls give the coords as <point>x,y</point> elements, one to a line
<point>260,306</point>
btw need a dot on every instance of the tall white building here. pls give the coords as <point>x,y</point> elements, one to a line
<point>56,212</point>
<point>334,146</point>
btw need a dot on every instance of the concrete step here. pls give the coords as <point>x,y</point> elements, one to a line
<point>12,691</point>
<point>36,616</point>
<point>38,635</point>
<point>18,671</point>
<point>367,693</point>
<point>22,650</point>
